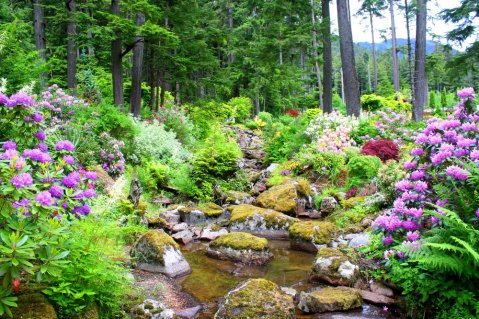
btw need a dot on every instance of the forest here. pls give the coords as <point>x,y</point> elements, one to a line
<point>239,159</point>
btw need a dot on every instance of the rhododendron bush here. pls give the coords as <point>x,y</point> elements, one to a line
<point>42,190</point>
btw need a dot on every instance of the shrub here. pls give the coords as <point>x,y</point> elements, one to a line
<point>176,120</point>
<point>325,164</point>
<point>372,102</point>
<point>241,107</point>
<point>364,131</point>
<point>361,169</point>
<point>388,175</point>
<point>384,149</point>
<point>152,176</point>
<point>292,113</point>
<point>312,113</point>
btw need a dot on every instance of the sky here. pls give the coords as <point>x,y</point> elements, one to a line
<point>362,33</point>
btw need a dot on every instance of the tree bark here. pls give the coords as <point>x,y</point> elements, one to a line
<point>394,48</point>
<point>116,62</point>
<point>135,98</point>
<point>373,49</point>
<point>40,40</point>
<point>420,97</point>
<point>351,85</point>
<point>409,49</point>
<point>315,52</point>
<point>71,46</point>
<point>327,59</point>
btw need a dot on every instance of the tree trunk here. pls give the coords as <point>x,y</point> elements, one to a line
<point>373,49</point>
<point>135,98</point>
<point>420,98</point>
<point>116,62</point>
<point>394,47</point>
<point>351,85</point>
<point>315,52</point>
<point>71,46</point>
<point>327,59</point>
<point>39,31</point>
<point>409,49</point>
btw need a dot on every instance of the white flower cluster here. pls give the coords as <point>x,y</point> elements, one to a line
<point>333,121</point>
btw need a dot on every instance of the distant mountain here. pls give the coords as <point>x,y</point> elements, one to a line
<point>382,46</point>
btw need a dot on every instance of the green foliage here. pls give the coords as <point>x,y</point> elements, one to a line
<point>324,164</point>
<point>361,169</point>
<point>312,113</point>
<point>444,98</point>
<point>239,182</point>
<point>388,175</point>
<point>177,120</point>
<point>364,129</point>
<point>215,160</point>
<point>352,216</point>
<point>338,104</point>
<point>152,176</point>
<point>372,102</point>
<point>94,276</point>
<point>205,113</point>
<point>241,107</point>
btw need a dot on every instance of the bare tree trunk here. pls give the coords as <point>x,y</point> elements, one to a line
<point>40,40</point>
<point>71,46</point>
<point>409,49</point>
<point>394,48</point>
<point>327,59</point>
<point>135,98</point>
<point>231,56</point>
<point>373,49</point>
<point>315,52</point>
<point>351,85</point>
<point>420,98</point>
<point>116,62</point>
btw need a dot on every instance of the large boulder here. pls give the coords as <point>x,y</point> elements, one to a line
<point>288,198</point>
<point>240,247</point>
<point>311,235</point>
<point>155,251</point>
<point>334,267</point>
<point>212,232</point>
<point>153,309</point>
<point>256,298</point>
<point>33,306</point>
<point>237,198</point>
<point>330,299</point>
<point>328,205</point>
<point>260,222</point>
<point>203,213</point>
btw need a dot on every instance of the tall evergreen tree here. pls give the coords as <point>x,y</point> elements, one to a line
<point>327,58</point>
<point>420,98</point>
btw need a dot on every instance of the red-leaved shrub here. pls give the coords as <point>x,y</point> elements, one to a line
<point>293,113</point>
<point>384,149</point>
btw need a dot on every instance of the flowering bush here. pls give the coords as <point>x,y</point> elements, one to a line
<point>393,126</point>
<point>293,113</point>
<point>176,120</point>
<point>439,161</point>
<point>42,189</point>
<point>384,149</point>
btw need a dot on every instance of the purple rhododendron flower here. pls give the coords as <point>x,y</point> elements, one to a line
<point>20,98</point>
<point>413,236</point>
<point>44,198</point>
<point>89,193</point>
<point>91,175</point>
<point>477,213</point>
<point>457,172</point>
<point>416,175</point>
<point>69,159</point>
<point>71,180</point>
<point>22,180</point>
<point>43,147</point>
<point>56,191</point>
<point>410,165</point>
<point>9,145</point>
<point>466,93</point>
<point>37,155</point>
<point>37,117</point>
<point>21,203</point>
<point>420,186</point>
<point>40,135</point>
<point>417,151</point>
<point>388,240</point>
<point>65,145</point>
<point>403,185</point>
<point>3,99</point>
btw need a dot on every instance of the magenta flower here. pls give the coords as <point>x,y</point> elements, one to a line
<point>44,198</point>
<point>457,172</point>
<point>416,175</point>
<point>20,99</point>
<point>475,155</point>
<point>388,240</point>
<point>69,159</point>
<point>420,186</point>
<point>413,236</point>
<point>56,191</point>
<point>22,180</point>
<point>477,213</point>
<point>40,135</point>
<point>417,151</point>
<point>71,180</point>
<point>37,155</point>
<point>65,145</point>
<point>91,175</point>
<point>37,117</point>
<point>43,147</point>
<point>403,185</point>
<point>410,165</point>
<point>9,145</point>
<point>466,93</point>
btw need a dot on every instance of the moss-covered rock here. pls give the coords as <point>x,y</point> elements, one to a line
<point>203,213</point>
<point>33,306</point>
<point>237,198</point>
<point>155,251</point>
<point>282,198</point>
<point>352,202</point>
<point>259,221</point>
<point>152,309</point>
<point>240,247</point>
<point>310,235</point>
<point>256,298</point>
<point>334,267</point>
<point>330,299</point>
<point>90,313</point>
<point>157,222</point>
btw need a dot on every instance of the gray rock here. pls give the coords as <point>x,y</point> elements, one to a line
<point>329,299</point>
<point>184,236</point>
<point>328,205</point>
<point>209,234</point>
<point>171,216</point>
<point>188,313</point>
<point>376,299</point>
<point>334,267</point>
<point>381,289</point>
<point>358,240</point>
<point>179,227</point>
<point>153,309</point>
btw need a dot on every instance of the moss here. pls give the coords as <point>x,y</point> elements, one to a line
<point>151,246</point>
<point>233,197</point>
<point>337,257</point>
<point>157,222</point>
<point>257,298</point>
<point>243,212</point>
<point>316,231</point>
<point>282,198</point>
<point>347,298</point>
<point>211,209</point>
<point>215,227</point>
<point>90,313</point>
<point>303,187</point>
<point>240,241</point>
<point>33,306</point>
<point>352,202</point>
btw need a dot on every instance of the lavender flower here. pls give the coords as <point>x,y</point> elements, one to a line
<point>475,155</point>
<point>69,159</point>
<point>457,172</point>
<point>9,145</point>
<point>410,165</point>
<point>91,175</point>
<point>477,213</point>
<point>37,117</point>
<point>40,135</point>
<point>43,147</point>
<point>65,145</point>
<point>71,180</point>
<point>37,155</point>
<point>56,191</point>
<point>417,151</point>
<point>403,185</point>
<point>420,186</point>
<point>388,240</point>
<point>20,99</point>
<point>416,175</point>
<point>22,180</point>
<point>466,93</point>
<point>413,236</point>
<point>44,198</point>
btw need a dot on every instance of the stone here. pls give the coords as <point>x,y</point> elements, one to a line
<point>188,313</point>
<point>203,213</point>
<point>290,291</point>
<point>282,198</point>
<point>333,267</point>
<point>135,191</point>
<point>157,222</point>
<point>328,205</point>
<point>153,309</point>
<point>90,313</point>
<point>33,306</point>
<point>184,236</point>
<point>256,298</point>
<point>358,240</point>
<point>380,288</point>
<point>376,298</point>
<point>237,198</point>
<point>179,227</point>
<point>260,221</point>
<point>209,234</point>
<point>172,215</point>
<point>310,235</point>
<point>240,247</point>
<point>311,214</point>
<point>330,299</point>
<point>155,251</point>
